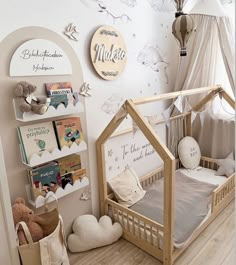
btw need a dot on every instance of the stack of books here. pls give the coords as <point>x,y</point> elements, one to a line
<point>44,178</point>
<point>50,176</point>
<point>61,92</point>
<point>47,136</point>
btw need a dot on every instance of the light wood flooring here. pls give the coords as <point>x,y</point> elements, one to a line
<point>215,246</point>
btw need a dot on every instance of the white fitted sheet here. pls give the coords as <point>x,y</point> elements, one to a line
<point>204,174</point>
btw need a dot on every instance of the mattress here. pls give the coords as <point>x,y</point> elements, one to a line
<point>204,174</point>
<point>200,175</point>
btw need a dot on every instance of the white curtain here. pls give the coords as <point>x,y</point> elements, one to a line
<point>210,47</point>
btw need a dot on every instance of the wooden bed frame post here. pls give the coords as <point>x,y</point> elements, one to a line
<point>169,199</point>
<point>101,168</point>
<point>102,184</point>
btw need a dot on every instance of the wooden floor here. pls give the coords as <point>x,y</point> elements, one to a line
<point>215,246</point>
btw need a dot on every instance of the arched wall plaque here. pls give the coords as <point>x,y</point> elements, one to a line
<point>108,52</point>
<point>39,57</point>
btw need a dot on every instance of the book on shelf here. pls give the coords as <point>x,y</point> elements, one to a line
<point>71,177</point>
<point>68,131</point>
<point>66,179</point>
<point>60,92</point>
<point>36,139</point>
<point>78,174</point>
<point>44,178</point>
<point>56,100</point>
<point>69,163</point>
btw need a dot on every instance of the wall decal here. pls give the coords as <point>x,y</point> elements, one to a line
<point>112,104</point>
<point>129,149</point>
<point>91,3</point>
<point>108,52</point>
<point>39,57</point>
<point>84,90</point>
<point>130,3</point>
<point>152,57</point>
<point>100,6</point>
<point>162,5</point>
<point>124,18</point>
<point>225,2</point>
<point>110,152</point>
<point>71,32</point>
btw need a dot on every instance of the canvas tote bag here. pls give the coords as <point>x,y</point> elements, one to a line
<point>51,250</point>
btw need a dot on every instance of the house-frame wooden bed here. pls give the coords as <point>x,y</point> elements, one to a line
<point>151,236</point>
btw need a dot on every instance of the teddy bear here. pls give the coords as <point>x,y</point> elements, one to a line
<point>24,92</point>
<point>22,213</point>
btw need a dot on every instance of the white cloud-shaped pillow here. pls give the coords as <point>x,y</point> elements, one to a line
<point>89,233</point>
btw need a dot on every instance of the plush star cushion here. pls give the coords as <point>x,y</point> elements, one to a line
<point>189,152</point>
<point>226,166</point>
<point>90,233</point>
<point>127,188</point>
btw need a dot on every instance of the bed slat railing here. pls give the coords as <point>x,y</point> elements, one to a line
<point>151,177</point>
<point>208,163</point>
<point>136,224</point>
<point>222,192</point>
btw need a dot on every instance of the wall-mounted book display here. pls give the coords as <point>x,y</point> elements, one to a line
<point>108,52</point>
<point>60,177</point>
<point>59,110</point>
<point>60,192</point>
<point>43,142</point>
<point>39,57</point>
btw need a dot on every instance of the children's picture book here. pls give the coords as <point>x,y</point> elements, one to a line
<point>68,131</point>
<point>78,174</point>
<point>69,163</point>
<point>55,100</point>
<point>55,90</point>
<point>44,178</point>
<point>66,179</point>
<point>36,139</point>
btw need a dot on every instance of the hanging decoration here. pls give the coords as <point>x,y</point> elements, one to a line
<point>182,28</point>
<point>179,7</point>
<point>179,103</point>
<point>166,116</point>
<point>135,127</point>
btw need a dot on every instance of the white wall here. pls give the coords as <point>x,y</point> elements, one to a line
<point>149,41</point>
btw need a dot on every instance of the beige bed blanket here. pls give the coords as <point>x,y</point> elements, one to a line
<point>192,204</point>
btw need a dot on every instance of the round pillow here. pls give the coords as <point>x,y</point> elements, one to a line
<point>189,152</point>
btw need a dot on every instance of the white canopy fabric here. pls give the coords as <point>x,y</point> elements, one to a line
<point>210,46</point>
<point>199,67</point>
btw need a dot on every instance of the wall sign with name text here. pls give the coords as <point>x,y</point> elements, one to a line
<point>108,52</point>
<point>39,57</point>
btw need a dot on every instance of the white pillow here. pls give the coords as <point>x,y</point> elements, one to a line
<point>90,233</point>
<point>226,166</point>
<point>127,188</point>
<point>189,152</point>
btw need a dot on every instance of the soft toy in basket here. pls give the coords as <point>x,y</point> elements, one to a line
<point>41,237</point>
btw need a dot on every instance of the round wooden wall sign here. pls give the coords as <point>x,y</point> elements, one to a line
<point>108,52</point>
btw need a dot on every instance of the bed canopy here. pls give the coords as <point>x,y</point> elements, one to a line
<point>210,54</point>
